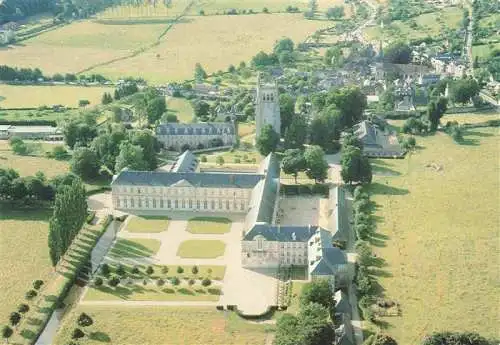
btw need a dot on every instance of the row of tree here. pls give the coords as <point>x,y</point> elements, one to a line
<point>8,73</point>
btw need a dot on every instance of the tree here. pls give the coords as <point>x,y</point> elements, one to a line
<point>436,110</point>
<point>170,118</point>
<point>398,52</point>
<point>199,73</point>
<point>83,103</point>
<point>175,281</point>
<point>335,12</point>
<point>6,332</point>
<point>105,271</point>
<point>59,152</point>
<point>131,156</point>
<point>120,270</point>
<point>316,165</point>
<point>206,282</point>
<point>463,90</point>
<point>23,308</point>
<point>219,160</point>
<point>30,294</point>
<point>84,320</point>
<point>364,253</point>
<point>355,166</point>
<point>318,291</point>
<point>180,270</point>
<point>455,338</point>
<point>85,163</point>
<point>267,140</point>
<point>106,98</point>
<point>287,332</point>
<point>314,326</point>
<point>287,110</point>
<point>351,103</point>
<point>155,109</point>
<point>284,44</point>
<point>98,281</point>
<point>114,281</point>
<point>150,270</point>
<point>383,339</point>
<point>149,145</point>
<point>70,211</point>
<point>14,318</point>
<point>325,129</point>
<point>37,284</point>
<point>194,270</point>
<point>201,108</point>
<point>77,334</point>
<point>352,140</point>
<point>293,162</point>
<point>18,146</point>
<point>296,134</point>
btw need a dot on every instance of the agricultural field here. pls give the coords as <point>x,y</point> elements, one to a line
<point>163,325</point>
<point>16,96</point>
<point>428,24</point>
<point>23,250</point>
<point>30,165</point>
<point>438,209</point>
<point>38,114</point>
<point>181,108</point>
<point>144,12</point>
<point>214,41</point>
<point>484,51</point>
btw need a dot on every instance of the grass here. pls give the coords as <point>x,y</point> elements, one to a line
<point>24,254</point>
<point>29,165</point>
<point>294,306</point>
<point>209,225</point>
<point>23,96</point>
<point>147,224</point>
<point>180,107</point>
<point>428,24</point>
<point>136,248</point>
<point>201,249</point>
<point>213,41</point>
<point>163,325</point>
<point>204,271</point>
<point>484,51</point>
<point>49,114</point>
<point>248,157</point>
<point>245,129</point>
<point>470,117</point>
<point>438,234</point>
<point>152,292</point>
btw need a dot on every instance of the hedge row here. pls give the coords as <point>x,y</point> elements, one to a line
<point>29,123</point>
<point>316,188</point>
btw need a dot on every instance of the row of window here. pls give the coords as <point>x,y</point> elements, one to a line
<point>180,204</point>
<point>183,191</point>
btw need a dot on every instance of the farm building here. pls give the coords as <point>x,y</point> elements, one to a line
<point>31,132</point>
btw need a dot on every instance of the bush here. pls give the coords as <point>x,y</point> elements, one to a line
<point>105,270</point>
<point>37,284</point>
<point>120,270</point>
<point>195,270</point>
<point>175,281</point>
<point>150,270</point>
<point>206,282</point>
<point>203,158</point>
<point>180,270</point>
<point>98,281</point>
<point>23,308</point>
<point>160,282</point>
<point>265,10</point>
<point>191,282</point>
<point>135,270</point>
<point>77,334</point>
<point>164,270</point>
<point>84,320</point>
<point>114,281</point>
<point>31,294</point>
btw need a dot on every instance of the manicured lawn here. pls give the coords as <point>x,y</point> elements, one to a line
<point>209,225</point>
<point>147,224</point>
<point>151,292</point>
<point>201,249</point>
<point>24,254</point>
<point>163,325</point>
<point>134,248</point>
<point>244,157</point>
<point>438,233</point>
<point>204,271</point>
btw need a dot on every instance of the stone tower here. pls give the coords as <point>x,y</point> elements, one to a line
<point>267,109</point>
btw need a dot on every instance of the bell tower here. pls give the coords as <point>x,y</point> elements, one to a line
<point>267,109</point>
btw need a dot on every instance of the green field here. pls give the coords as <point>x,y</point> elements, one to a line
<point>181,108</point>
<point>29,115</point>
<point>201,249</point>
<point>163,325</point>
<point>209,225</point>
<point>24,254</point>
<point>438,233</point>
<point>152,292</point>
<point>16,96</point>
<point>484,51</point>
<point>147,224</point>
<point>136,248</point>
<point>429,24</point>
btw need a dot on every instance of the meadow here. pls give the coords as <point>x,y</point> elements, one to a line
<point>181,108</point>
<point>438,234</point>
<point>428,24</point>
<point>17,96</point>
<point>24,254</point>
<point>484,51</point>
<point>163,325</point>
<point>213,41</point>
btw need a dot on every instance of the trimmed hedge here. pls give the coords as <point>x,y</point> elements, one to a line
<point>310,189</point>
<point>265,315</point>
<point>98,190</point>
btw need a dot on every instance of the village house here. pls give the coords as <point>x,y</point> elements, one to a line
<point>179,136</point>
<point>381,70</point>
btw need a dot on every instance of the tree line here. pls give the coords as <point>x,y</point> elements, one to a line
<point>8,73</point>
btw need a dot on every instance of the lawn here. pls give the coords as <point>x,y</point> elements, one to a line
<point>30,165</point>
<point>245,129</point>
<point>24,254</point>
<point>230,157</point>
<point>147,224</point>
<point>181,108</point>
<point>136,248</point>
<point>209,225</point>
<point>201,249</point>
<point>22,96</point>
<point>294,306</point>
<point>438,233</point>
<point>163,325</point>
<point>484,51</point>
<point>152,292</point>
<point>470,117</point>
<point>214,41</point>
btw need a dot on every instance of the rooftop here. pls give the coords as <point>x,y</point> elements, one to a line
<point>186,162</point>
<point>286,233</point>
<point>172,128</point>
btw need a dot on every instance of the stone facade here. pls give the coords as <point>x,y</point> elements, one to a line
<point>196,135</point>
<point>267,108</point>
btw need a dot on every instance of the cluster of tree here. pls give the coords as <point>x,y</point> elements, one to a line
<point>336,12</point>
<point>19,147</point>
<point>106,98</point>
<point>84,320</point>
<point>464,90</point>
<point>8,73</point>
<point>199,73</point>
<point>435,111</point>
<point>311,161</point>
<point>334,57</point>
<point>312,325</point>
<point>398,52</point>
<point>387,99</point>
<point>125,89</point>
<point>283,53</point>
<point>292,9</point>
<point>402,10</point>
<point>16,316</point>
<point>70,210</point>
<point>356,167</point>
<point>114,149</point>
<point>81,130</point>
<point>456,338</point>
<point>416,125</point>
<point>30,188</point>
<point>311,11</point>
<point>364,224</point>
<point>364,281</point>
<point>150,106</point>
<point>455,130</point>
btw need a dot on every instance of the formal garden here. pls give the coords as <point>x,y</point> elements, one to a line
<point>134,248</point>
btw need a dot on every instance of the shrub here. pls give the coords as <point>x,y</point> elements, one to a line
<point>164,270</point>
<point>206,282</point>
<point>191,282</point>
<point>14,318</point>
<point>114,281</point>
<point>237,160</point>
<point>180,270</point>
<point>175,281</point>
<point>37,284</point>
<point>105,270</point>
<point>31,294</point>
<point>77,334</point>
<point>120,270</point>
<point>98,281</point>
<point>84,320</point>
<point>23,308</point>
<point>194,270</point>
<point>160,282</point>
<point>135,270</point>
<point>203,158</point>
<point>265,10</point>
<point>150,270</point>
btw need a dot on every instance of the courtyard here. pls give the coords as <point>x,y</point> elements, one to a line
<point>211,244</point>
